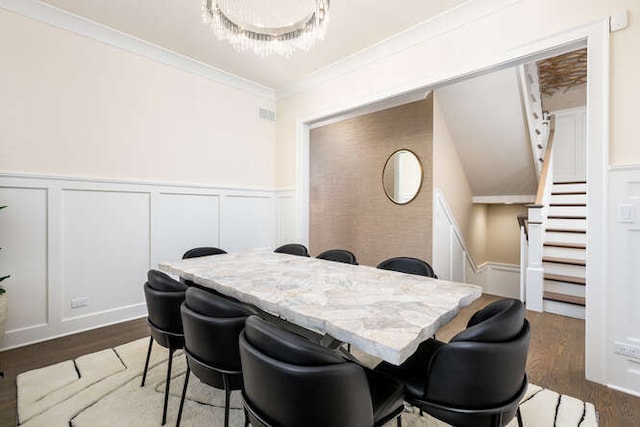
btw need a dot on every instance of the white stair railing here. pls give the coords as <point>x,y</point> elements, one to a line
<point>534,280</point>
<point>537,120</point>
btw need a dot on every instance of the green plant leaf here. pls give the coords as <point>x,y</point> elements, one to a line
<point>5,277</point>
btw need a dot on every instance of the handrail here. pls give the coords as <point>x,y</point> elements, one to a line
<point>523,221</point>
<point>547,161</point>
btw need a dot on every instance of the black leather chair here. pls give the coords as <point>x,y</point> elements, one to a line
<point>291,382</point>
<point>408,265</point>
<point>293,249</point>
<point>197,253</point>
<point>478,378</point>
<point>339,255</point>
<point>164,296</point>
<point>211,328</point>
<point>203,251</point>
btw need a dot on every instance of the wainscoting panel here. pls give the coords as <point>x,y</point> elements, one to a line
<point>67,239</point>
<point>247,221</point>
<point>182,222</point>
<point>24,255</point>
<point>105,249</point>
<point>623,290</point>
<point>285,214</point>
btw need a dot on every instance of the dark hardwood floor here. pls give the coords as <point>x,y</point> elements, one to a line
<point>556,361</point>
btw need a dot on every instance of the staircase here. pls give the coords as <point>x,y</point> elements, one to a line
<point>564,250</point>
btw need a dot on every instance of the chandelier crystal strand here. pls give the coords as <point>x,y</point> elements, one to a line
<point>266,27</point>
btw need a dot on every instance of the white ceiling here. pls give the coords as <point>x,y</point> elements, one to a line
<point>177,25</point>
<point>487,124</point>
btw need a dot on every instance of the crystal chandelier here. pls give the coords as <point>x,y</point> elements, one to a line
<point>268,26</point>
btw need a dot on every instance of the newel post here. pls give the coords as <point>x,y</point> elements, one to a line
<point>535,272</point>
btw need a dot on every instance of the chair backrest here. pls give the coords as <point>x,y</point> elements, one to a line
<point>163,296</point>
<point>484,365</point>
<point>339,255</point>
<point>290,381</point>
<point>212,325</point>
<point>203,251</point>
<point>293,249</point>
<point>408,265</point>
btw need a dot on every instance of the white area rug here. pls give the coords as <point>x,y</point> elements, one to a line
<point>103,389</point>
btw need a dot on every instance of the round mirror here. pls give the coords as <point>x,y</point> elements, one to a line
<point>402,177</point>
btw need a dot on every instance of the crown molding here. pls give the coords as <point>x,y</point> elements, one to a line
<point>62,19</point>
<point>449,20</point>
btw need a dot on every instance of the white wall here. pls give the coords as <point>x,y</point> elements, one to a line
<point>65,239</point>
<point>74,106</point>
<point>87,131</point>
<point>623,321</point>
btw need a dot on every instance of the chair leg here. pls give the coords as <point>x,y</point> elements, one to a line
<point>246,418</point>
<point>399,421</point>
<point>227,397</point>
<point>519,416</point>
<point>146,363</point>
<point>184,394</point>
<point>166,389</point>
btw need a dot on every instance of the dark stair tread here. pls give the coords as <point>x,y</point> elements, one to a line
<point>560,205</point>
<point>569,299</point>
<point>565,217</point>
<point>566,279</point>
<point>569,182</point>
<point>566,245</point>
<point>568,261</point>
<point>565,230</point>
<point>568,193</point>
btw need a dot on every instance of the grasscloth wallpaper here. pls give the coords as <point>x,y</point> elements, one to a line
<point>348,206</point>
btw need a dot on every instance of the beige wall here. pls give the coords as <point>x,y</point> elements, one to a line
<point>467,48</point>
<point>503,232</point>
<point>495,233</point>
<point>561,100</point>
<point>448,173</point>
<point>348,206</point>
<point>77,107</point>
<point>478,233</point>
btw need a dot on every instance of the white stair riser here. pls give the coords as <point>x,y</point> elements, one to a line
<point>564,269</point>
<point>563,188</point>
<point>569,224</point>
<point>568,198</point>
<point>570,253</point>
<point>567,211</point>
<point>570,310</point>
<point>565,288</point>
<point>560,237</point>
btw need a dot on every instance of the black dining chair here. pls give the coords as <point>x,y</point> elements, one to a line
<point>211,328</point>
<point>163,296</point>
<point>203,251</point>
<point>291,382</point>
<point>478,378</point>
<point>339,255</point>
<point>200,252</point>
<point>293,249</point>
<point>408,265</point>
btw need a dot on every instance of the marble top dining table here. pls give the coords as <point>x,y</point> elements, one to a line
<point>383,313</point>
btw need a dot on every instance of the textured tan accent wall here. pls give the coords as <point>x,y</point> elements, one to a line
<point>348,206</point>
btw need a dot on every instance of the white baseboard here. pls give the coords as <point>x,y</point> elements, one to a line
<point>497,279</point>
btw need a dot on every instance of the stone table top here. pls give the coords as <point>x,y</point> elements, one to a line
<point>384,313</point>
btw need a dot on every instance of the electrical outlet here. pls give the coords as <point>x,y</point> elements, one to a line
<point>626,350</point>
<point>79,302</point>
